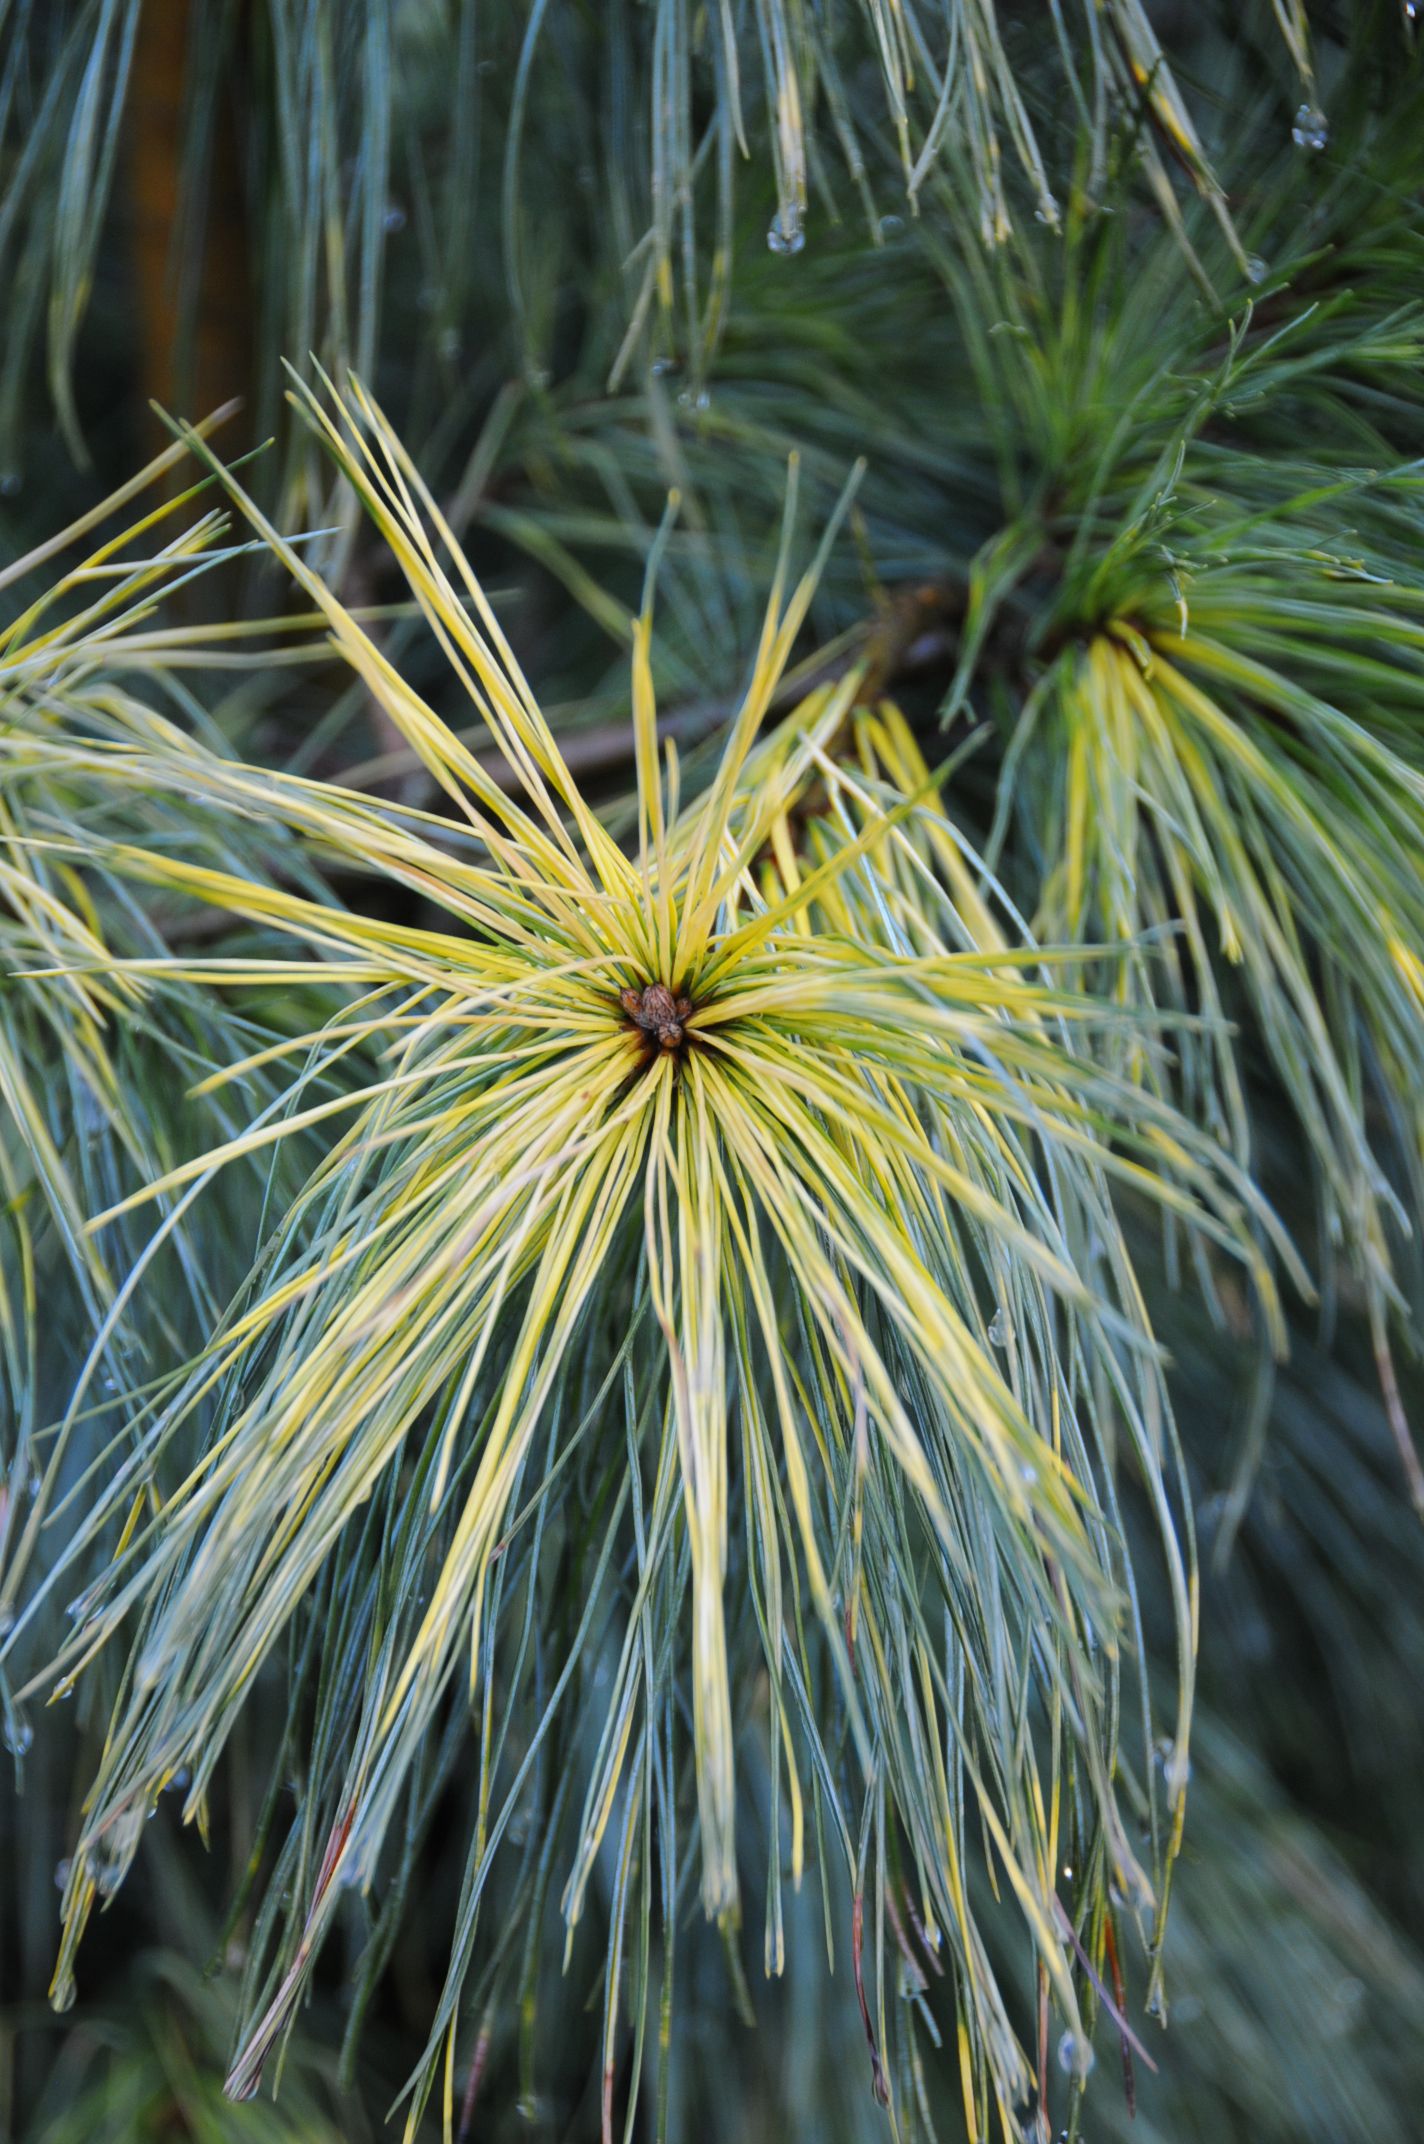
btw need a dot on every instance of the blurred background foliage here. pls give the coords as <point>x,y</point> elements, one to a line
<point>1118,328</point>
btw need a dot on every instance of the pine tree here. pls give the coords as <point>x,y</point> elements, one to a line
<point>710,1095</point>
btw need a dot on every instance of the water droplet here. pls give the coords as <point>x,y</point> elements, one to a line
<point>1256,269</point>
<point>1068,1870</point>
<point>1212,1512</point>
<point>891,228</point>
<point>786,234</point>
<point>1347,1999</point>
<point>32,1484</point>
<point>1047,212</point>
<point>18,1735</point>
<point>179,1780</point>
<point>1311,129</point>
<point>394,217</point>
<point>1176,1770</point>
<point>662,366</point>
<point>999,1328</point>
<point>61,1873</point>
<point>114,1850</point>
<point>1075,2055</point>
<point>9,483</point>
<point>698,399</point>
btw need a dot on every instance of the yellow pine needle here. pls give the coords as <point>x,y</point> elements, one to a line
<point>812,1182</point>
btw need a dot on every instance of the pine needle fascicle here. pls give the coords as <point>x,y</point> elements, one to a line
<point>1213,729</point>
<point>91,1025</point>
<point>727,1225</point>
<point>893,91</point>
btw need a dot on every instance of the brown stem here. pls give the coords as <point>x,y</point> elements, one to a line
<point>193,305</point>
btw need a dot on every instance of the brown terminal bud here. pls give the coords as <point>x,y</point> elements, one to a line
<point>657,1012</point>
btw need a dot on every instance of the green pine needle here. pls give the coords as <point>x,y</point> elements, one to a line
<point>753,1189</point>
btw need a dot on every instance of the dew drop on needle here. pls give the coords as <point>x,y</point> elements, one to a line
<point>1311,129</point>
<point>786,234</point>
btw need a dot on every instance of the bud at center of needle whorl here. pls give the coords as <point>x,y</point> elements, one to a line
<point>657,1012</point>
